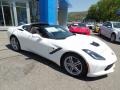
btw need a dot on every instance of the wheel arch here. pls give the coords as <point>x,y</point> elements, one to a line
<point>114,34</point>
<point>12,36</point>
<point>16,38</point>
<point>71,52</point>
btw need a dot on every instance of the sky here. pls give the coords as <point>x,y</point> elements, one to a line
<point>80,5</point>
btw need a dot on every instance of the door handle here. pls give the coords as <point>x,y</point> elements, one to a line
<point>21,29</point>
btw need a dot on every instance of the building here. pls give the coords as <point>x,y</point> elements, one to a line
<point>17,12</point>
<point>14,12</point>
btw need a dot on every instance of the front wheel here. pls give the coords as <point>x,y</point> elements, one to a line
<point>15,43</point>
<point>74,65</point>
<point>113,37</point>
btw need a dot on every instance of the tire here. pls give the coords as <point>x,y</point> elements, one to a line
<point>74,65</point>
<point>113,38</point>
<point>91,27</point>
<point>15,44</point>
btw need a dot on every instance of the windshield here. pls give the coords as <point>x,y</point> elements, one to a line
<point>116,24</point>
<point>81,25</point>
<point>58,32</point>
<point>75,24</point>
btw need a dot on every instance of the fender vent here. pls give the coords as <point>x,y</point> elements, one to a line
<point>95,44</point>
<point>108,67</point>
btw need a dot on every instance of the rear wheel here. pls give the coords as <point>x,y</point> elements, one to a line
<point>74,65</point>
<point>15,43</point>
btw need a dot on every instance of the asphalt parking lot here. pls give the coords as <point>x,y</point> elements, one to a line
<point>27,71</point>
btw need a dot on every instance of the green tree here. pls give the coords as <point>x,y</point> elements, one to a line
<point>104,10</point>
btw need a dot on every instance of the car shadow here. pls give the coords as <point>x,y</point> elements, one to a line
<point>32,56</point>
<point>106,39</point>
<point>102,37</point>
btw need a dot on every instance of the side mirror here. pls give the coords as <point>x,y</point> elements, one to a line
<point>36,36</point>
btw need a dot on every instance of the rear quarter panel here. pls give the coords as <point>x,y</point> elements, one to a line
<point>10,31</point>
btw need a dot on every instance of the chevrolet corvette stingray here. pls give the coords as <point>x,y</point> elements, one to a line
<point>78,55</point>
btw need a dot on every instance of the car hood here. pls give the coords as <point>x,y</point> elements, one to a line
<point>78,42</point>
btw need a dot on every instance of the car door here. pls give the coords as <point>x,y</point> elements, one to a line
<point>109,29</point>
<point>103,28</point>
<point>40,44</point>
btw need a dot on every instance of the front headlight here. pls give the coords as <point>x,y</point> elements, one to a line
<point>93,54</point>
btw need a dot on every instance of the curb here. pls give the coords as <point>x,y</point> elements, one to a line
<point>2,30</point>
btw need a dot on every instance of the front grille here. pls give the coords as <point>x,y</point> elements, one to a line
<point>108,67</point>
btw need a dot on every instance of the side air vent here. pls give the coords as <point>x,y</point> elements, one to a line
<point>95,44</point>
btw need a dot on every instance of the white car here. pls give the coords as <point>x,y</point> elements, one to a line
<point>90,25</point>
<point>79,55</point>
<point>111,30</point>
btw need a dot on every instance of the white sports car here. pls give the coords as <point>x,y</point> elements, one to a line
<point>78,55</point>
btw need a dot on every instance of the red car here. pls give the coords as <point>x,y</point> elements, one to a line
<point>79,28</point>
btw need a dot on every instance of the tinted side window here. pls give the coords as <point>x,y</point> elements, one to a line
<point>27,27</point>
<point>43,32</point>
<point>39,30</point>
<point>105,24</point>
<point>109,24</point>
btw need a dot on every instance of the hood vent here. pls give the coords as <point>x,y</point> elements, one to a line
<point>95,44</point>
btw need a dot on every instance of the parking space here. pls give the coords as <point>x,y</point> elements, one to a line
<point>27,71</point>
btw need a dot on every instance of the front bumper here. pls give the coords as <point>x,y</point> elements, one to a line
<point>101,72</point>
<point>99,68</point>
